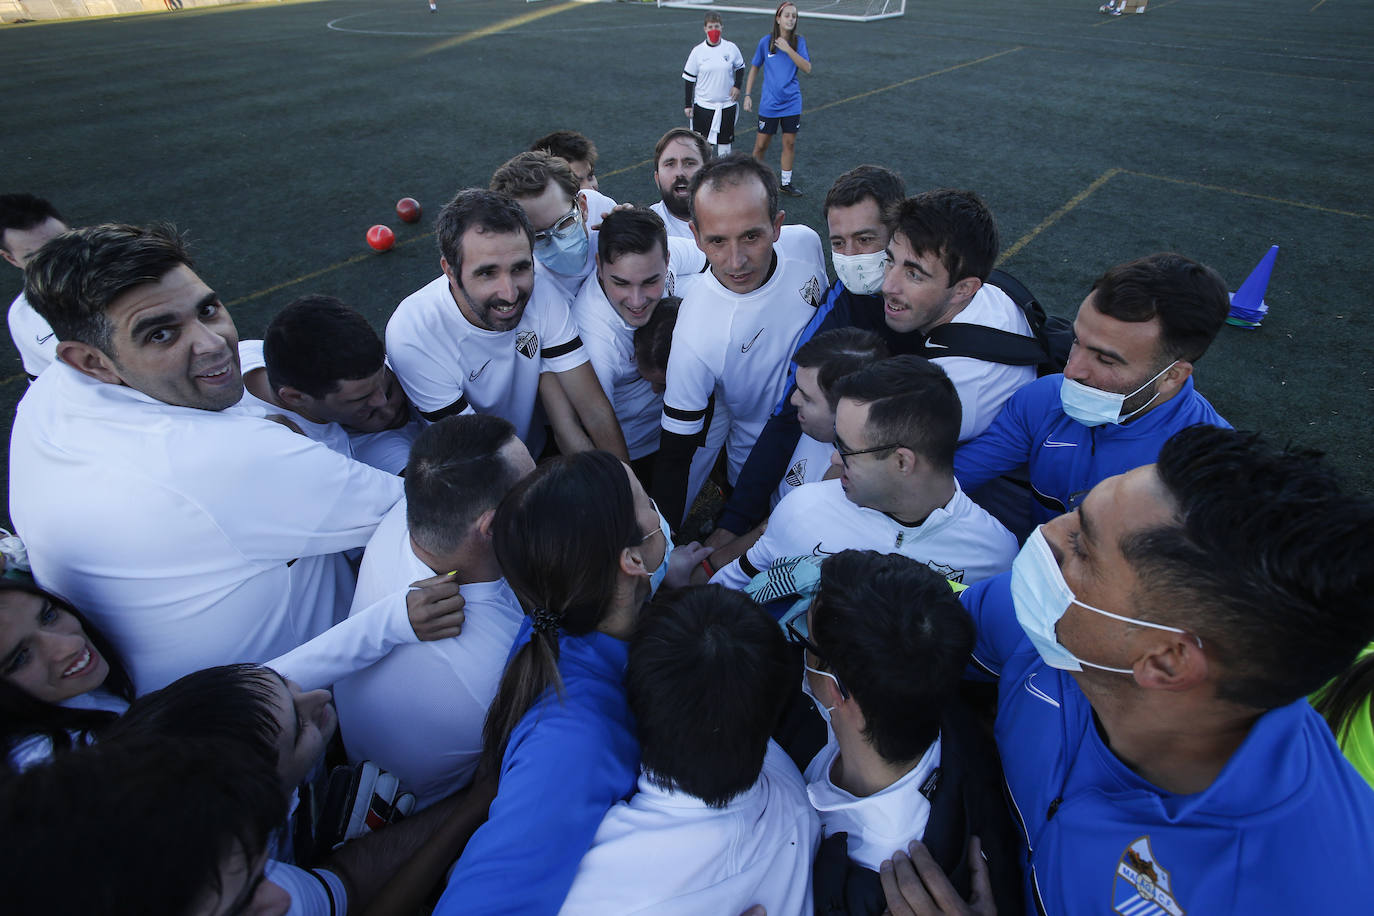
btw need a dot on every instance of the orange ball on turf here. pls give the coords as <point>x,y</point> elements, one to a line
<point>381,238</point>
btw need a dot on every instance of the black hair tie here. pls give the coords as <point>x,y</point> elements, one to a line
<point>545,620</point>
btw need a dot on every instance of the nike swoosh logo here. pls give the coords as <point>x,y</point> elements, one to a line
<point>472,376</point>
<point>817,552</point>
<point>1050,443</point>
<point>1038,693</point>
<point>745,348</point>
<point>46,337</point>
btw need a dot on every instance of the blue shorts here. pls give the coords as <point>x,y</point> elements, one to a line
<point>790,124</point>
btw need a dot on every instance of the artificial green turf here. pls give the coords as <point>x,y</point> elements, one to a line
<point>1218,128</point>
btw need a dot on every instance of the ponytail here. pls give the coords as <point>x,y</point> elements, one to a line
<point>557,535</point>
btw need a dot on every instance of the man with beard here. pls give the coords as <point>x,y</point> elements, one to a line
<point>467,342</point>
<point>678,156</point>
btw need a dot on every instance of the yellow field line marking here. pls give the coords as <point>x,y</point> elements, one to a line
<point>362,256</point>
<point>495,27</point>
<point>1059,214</point>
<point>1319,3</point>
<point>917,79</point>
<point>1239,193</point>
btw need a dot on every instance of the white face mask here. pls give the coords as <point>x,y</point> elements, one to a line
<point>1093,407</point>
<point>1042,597</point>
<point>861,273</point>
<point>806,689</point>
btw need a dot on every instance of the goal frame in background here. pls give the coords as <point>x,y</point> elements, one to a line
<point>875,9</point>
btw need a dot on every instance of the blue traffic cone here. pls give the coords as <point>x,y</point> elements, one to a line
<point>1247,303</point>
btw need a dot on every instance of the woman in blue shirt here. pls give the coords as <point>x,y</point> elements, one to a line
<point>781,54</point>
<point>582,546</point>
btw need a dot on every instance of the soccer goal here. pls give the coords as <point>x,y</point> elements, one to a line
<point>851,10</point>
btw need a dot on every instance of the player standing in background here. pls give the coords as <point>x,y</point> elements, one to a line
<point>712,77</point>
<point>781,54</point>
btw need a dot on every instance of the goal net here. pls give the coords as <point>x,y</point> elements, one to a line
<point>851,10</point>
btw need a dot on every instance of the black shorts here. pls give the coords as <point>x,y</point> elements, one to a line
<point>702,118</point>
<point>790,124</point>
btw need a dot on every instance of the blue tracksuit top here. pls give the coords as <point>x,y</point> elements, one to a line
<point>1286,828</point>
<point>569,760</point>
<point>1067,459</point>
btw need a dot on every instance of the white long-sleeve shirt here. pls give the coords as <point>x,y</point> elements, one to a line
<point>191,538</point>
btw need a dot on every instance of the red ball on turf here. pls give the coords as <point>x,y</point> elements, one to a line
<point>408,209</point>
<point>381,238</point>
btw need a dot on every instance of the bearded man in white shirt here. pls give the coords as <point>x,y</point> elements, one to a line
<point>192,531</point>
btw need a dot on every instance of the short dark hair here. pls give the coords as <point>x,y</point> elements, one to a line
<point>1269,562</point>
<point>733,171</point>
<point>75,277</point>
<point>232,702</point>
<point>955,226</point>
<point>317,342</point>
<point>23,715</point>
<point>712,17</point>
<point>707,676</point>
<point>654,341</point>
<point>911,402</point>
<point>634,231</point>
<point>682,133</point>
<point>24,211</point>
<point>485,211</point>
<point>455,473</point>
<point>838,352</point>
<point>568,145</point>
<point>893,632</point>
<point>529,174</point>
<point>1189,299</point>
<point>865,182</point>
<point>138,819</point>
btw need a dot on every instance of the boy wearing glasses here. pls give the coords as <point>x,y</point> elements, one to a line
<point>896,428</point>
<point>561,212</point>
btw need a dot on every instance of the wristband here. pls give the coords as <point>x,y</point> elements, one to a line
<point>706,565</point>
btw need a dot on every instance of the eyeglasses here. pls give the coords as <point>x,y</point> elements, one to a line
<point>847,453</point>
<point>796,636</point>
<point>561,229</point>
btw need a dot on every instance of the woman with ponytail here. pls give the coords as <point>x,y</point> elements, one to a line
<point>583,547</point>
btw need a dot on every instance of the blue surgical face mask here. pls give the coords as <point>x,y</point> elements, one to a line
<point>1042,597</point>
<point>564,252</point>
<point>861,274</point>
<point>1093,407</point>
<point>656,577</point>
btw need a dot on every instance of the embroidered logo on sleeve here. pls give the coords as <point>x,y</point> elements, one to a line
<point>811,292</point>
<point>527,344</point>
<point>1141,887</point>
<point>796,474</point>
